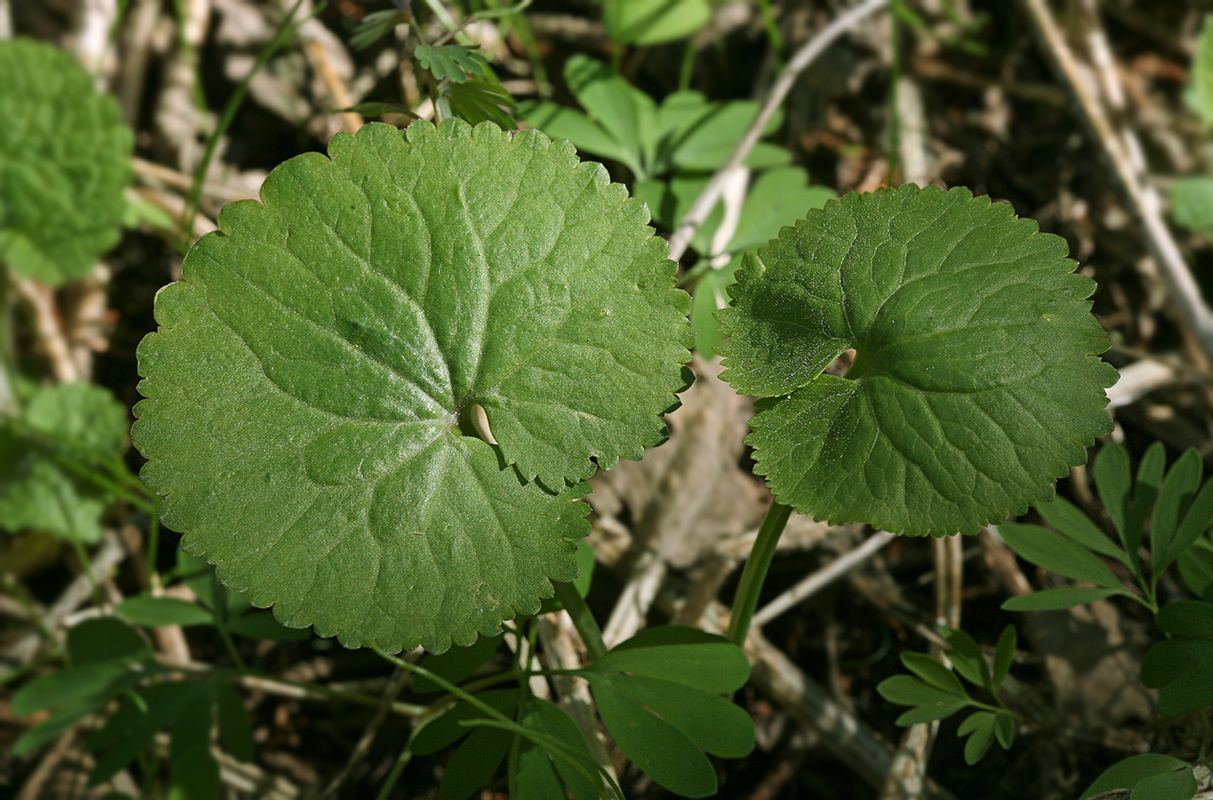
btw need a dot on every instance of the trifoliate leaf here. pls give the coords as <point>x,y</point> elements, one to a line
<point>482,101</point>
<point>453,62</point>
<point>68,424</point>
<point>314,374</point>
<point>976,381</point>
<point>1128,772</point>
<point>64,161</point>
<point>375,26</point>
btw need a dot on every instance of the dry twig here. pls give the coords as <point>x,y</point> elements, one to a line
<point>1120,149</point>
<point>706,201</point>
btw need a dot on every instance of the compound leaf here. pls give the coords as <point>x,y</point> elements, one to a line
<point>1178,785</point>
<point>703,661</point>
<point>1167,659</point>
<point>1128,772</point>
<point>659,746</point>
<point>534,772</point>
<point>1114,480</point>
<point>1004,654</point>
<point>480,101</point>
<point>976,381</point>
<point>979,727</point>
<point>474,762</point>
<point>1071,522</point>
<point>453,62</point>
<point>1058,554</point>
<point>64,162</point>
<point>1056,599</point>
<point>1192,618</point>
<point>316,370</point>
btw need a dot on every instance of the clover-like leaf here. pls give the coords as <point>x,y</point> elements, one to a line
<point>976,381</point>
<point>64,162</point>
<point>453,62</point>
<point>317,369</point>
<point>659,695</point>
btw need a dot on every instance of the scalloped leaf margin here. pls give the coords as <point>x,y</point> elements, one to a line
<point>976,380</point>
<point>315,372</point>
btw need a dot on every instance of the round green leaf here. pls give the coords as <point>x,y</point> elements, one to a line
<point>316,371</point>
<point>64,162</point>
<point>976,381</point>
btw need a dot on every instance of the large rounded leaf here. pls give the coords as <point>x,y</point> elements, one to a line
<point>316,372</point>
<point>976,380</point>
<point>64,162</point>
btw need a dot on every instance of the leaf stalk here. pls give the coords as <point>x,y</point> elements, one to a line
<point>755,572</point>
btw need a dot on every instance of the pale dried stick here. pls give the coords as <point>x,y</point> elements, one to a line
<point>561,651</point>
<point>137,33</point>
<point>39,301</point>
<point>627,617</point>
<point>351,121</point>
<point>907,777</point>
<point>1143,199</point>
<point>1139,379</point>
<point>806,55</point>
<point>822,577</point>
<point>108,556</point>
<point>36,784</point>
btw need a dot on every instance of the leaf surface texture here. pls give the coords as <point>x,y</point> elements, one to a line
<point>316,370</point>
<point>976,381</point>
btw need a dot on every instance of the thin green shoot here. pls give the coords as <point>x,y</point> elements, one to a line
<point>754,574</point>
<point>286,29</point>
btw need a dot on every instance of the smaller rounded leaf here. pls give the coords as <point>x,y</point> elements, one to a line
<point>65,159</point>
<point>976,381</point>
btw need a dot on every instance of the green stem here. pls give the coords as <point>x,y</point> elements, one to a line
<point>284,32</point>
<point>688,66</point>
<point>894,78</point>
<point>8,367</point>
<point>773,35</point>
<point>755,571</point>
<point>583,620</point>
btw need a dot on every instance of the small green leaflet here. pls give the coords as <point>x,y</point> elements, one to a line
<point>453,62</point>
<point>648,22</point>
<point>660,696</point>
<point>315,371</point>
<point>977,380</point>
<point>65,159</point>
